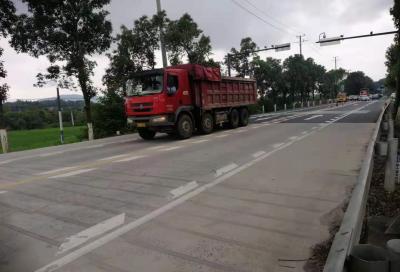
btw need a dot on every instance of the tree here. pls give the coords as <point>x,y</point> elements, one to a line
<point>239,59</point>
<point>268,75</point>
<point>331,82</point>
<point>67,32</point>
<point>7,18</point>
<point>356,81</point>
<point>394,54</point>
<point>184,38</point>
<point>295,74</point>
<point>135,52</point>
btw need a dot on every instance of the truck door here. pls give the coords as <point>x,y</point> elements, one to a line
<point>177,88</point>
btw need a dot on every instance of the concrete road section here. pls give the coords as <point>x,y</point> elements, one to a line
<point>250,199</point>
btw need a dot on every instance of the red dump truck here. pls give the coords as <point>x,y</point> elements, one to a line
<point>181,99</point>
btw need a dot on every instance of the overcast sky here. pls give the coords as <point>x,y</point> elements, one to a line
<point>226,23</point>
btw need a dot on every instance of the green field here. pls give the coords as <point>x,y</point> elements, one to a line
<point>36,138</point>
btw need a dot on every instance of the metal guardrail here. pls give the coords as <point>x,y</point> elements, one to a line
<point>350,230</point>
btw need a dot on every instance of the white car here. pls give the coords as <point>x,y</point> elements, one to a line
<point>364,98</point>
<point>353,97</point>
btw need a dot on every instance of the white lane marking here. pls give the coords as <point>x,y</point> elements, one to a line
<point>3,192</point>
<point>114,157</point>
<point>8,161</point>
<point>277,145</point>
<point>130,158</point>
<point>199,141</point>
<point>254,127</point>
<point>240,131</point>
<point>225,169</point>
<point>51,154</point>
<point>304,132</point>
<point>56,170</point>
<point>293,138</point>
<point>327,121</point>
<point>57,264</point>
<point>177,192</point>
<point>314,127</point>
<point>73,173</point>
<point>156,147</point>
<point>258,154</point>
<point>96,230</point>
<point>222,136</point>
<point>313,117</point>
<point>171,148</point>
<point>265,118</point>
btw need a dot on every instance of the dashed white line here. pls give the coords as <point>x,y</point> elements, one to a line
<point>222,136</point>
<point>130,158</point>
<point>171,148</point>
<point>314,127</point>
<point>156,147</point>
<point>114,157</point>
<point>258,154</point>
<point>277,145</point>
<point>254,127</point>
<point>304,132</point>
<point>240,131</point>
<point>3,192</point>
<point>225,169</point>
<point>177,192</point>
<point>56,170</point>
<point>313,117</point>
<point>96,230</point>
<point>94,146</point>
<point>73,173</point>
<point>293,138</point>
<point>8,161</point>
<point>199,141</point>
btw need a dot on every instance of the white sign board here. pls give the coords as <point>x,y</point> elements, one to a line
<point>330,41</point>
<point>282,47</point>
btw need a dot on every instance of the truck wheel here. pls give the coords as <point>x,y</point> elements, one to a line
<point>146,134</point>
<point>207,123</point>
<point>185,127</point>
<point>234,119</point>
<point>244,117</point>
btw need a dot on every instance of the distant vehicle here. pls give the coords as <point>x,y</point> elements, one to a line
<point>341,97</point>
<point>364,98</point>
<point>375,96</point>
<point>364,92</point>
<point>353,97</point>
<point>180,99</point>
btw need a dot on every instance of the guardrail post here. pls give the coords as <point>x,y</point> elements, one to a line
<point>308,104</point>
<point>90,131</point>
<point>274,107</point>
<point>285,107</point>
<point>4,140</point>
<point>294,105</point>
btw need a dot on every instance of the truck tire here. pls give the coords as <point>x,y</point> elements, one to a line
<point>244,117</point>
<point>234,119</point>
<point>184,127</point>
<point>207,123</point>
<point>146,134</point>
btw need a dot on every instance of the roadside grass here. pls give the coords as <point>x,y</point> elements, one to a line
<point>36,138</point>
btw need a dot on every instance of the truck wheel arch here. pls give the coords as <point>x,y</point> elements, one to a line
<point>185,110</point>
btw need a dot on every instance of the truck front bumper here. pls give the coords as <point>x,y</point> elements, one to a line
<point>151,121</point>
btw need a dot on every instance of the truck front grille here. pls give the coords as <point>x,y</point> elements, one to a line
<point>142,107</point>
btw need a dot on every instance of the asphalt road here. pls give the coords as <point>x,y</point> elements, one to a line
<point>250,199</point>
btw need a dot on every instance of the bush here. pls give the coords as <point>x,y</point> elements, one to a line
<point>109,115</point>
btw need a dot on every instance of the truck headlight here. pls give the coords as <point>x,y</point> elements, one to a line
<point>159,119</point>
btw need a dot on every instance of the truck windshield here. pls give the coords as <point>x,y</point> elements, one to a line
<point>144,85</point>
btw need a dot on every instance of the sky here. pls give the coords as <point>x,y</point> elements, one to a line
<point>267,22</point>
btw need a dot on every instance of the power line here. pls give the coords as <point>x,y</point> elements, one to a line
<point>294,31</point>
<point>258,17</point>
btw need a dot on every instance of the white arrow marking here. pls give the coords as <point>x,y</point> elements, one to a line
<point>313,117</point>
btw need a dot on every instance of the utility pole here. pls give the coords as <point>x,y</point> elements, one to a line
<point>301,43</point>
<point>60,117</point>
<point>335,59</point>
<point>163,52</point>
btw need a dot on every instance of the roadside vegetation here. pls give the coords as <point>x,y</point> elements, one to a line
<point>36,138</point>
